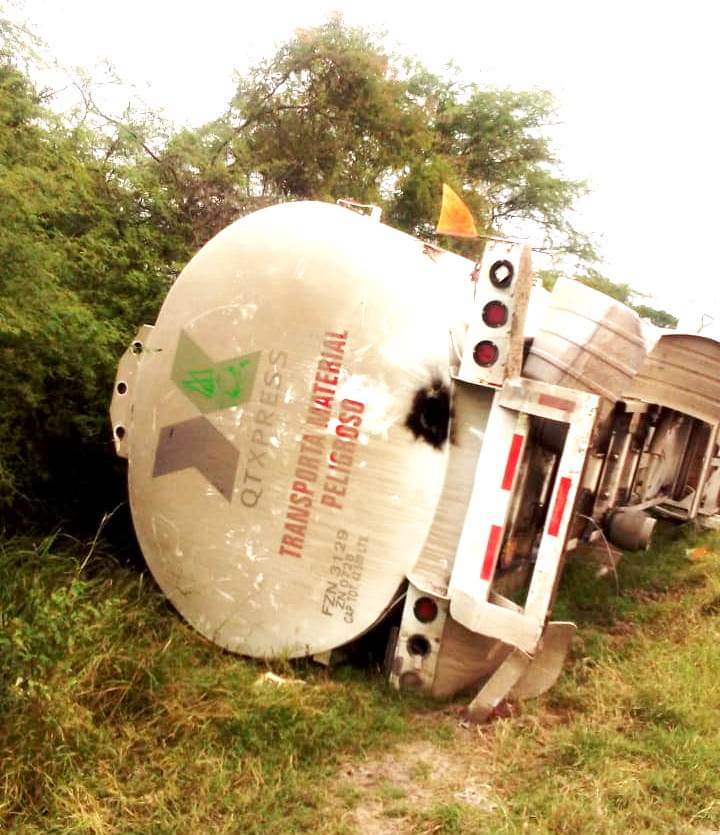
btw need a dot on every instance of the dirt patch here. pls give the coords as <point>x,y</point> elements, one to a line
<point>389,790</point>
<point>711,608</point>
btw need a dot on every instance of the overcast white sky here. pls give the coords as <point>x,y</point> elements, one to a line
<point>636,84</point>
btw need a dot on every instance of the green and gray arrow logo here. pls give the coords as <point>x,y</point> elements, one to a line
<point>212,386</point>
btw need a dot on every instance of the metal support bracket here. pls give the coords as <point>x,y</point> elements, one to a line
<point>121,405</point>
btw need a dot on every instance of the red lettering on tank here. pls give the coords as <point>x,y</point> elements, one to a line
<point>313,456</point>
<point>329,367</point>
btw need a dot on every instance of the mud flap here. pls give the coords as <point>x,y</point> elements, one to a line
<point>524,676</point>
<point>547,664</point>
<point>499,685</point>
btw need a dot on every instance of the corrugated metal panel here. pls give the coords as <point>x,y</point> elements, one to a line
<point>682,372</point>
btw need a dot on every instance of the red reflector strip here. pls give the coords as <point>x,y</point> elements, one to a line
<point>556,402</point>
<point>559,509</point>
<point>512,461</point>
<point>493,545</point>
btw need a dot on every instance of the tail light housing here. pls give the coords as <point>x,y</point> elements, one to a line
<point>425,609</point>
<point>486,353</point>
<point>495,314</point>
<point>493,345</point>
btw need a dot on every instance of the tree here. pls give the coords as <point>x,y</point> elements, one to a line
<point>326,117</point>
<point>660,318</point>
<point>490,145</point>
<point>332,114</point>
<point>98,214</point>
<point>80,266</point>
<point>622,292</point>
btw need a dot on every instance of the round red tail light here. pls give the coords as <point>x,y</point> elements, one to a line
<point>485,353</point>
<point>425,609</point>
<point>495,314</point>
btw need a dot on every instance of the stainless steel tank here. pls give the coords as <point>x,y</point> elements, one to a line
<point>286,425</point>
<point>587,341</point>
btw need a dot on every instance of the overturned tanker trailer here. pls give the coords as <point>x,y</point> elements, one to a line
<point>333,424</point>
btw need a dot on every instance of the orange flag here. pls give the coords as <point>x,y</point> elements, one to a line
<point>455,217</point>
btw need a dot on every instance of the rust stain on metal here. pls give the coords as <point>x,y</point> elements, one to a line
<point>556,402</point>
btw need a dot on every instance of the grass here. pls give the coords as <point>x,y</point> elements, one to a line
<point>629,739</point>
<point>117,718</point>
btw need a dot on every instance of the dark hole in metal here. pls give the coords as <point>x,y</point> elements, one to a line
<point>121,388</point>
<point>430,414</point>
<point>418,645</point>
<point>501,274</point>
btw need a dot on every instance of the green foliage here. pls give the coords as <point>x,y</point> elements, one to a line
<point>625,294</point>
<point>116,716</point>
<point>333,114</point>
<point>592,278</point>
<point>98,214</point>
<point>661,318</point>
<point>495,143</point>
<point>549,278</point>
<point>80,268</point>
<point>622,292</point>
<point>326,117</point>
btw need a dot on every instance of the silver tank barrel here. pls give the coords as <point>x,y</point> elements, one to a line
<point>288,440</point>
<point>587,341</point>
